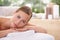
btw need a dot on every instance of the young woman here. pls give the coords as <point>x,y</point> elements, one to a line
<point>19,22</point>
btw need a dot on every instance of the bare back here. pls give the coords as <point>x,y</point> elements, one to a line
<point>2,23</point>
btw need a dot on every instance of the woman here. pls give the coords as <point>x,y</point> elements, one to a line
<point>19,22</point>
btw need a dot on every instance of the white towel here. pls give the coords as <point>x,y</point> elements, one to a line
<point>28,35</point>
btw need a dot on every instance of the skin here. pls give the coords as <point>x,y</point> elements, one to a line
<point>19,22</point>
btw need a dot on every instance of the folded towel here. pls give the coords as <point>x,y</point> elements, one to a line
<point>27,35</point>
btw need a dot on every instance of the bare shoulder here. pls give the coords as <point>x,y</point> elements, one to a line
<point>3,19</point>
<point>37,28</point>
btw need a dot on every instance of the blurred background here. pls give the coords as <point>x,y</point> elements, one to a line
<point>43,9</point>
<point>48,10</point>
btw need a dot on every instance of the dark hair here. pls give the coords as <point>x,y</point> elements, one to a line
<point>25,9</point>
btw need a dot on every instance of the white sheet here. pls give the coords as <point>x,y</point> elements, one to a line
<point>28,35</point>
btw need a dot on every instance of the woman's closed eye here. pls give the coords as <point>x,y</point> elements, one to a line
<point>18,17</point>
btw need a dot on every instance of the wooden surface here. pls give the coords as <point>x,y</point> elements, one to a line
<point>52,26</point>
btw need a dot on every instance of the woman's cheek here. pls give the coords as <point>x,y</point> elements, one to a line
<point>14,20</point>
<point>21,25</point>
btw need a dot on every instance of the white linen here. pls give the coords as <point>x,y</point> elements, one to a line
<point>28,35</point>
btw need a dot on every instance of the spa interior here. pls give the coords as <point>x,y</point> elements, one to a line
<point>45,13</point>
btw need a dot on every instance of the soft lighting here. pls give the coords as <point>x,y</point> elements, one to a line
<point>46,1</point>
<point>29,5</point>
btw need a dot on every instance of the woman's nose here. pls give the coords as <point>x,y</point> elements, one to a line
<point>18,21</point>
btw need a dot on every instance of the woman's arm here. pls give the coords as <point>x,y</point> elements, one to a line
<point>37,29</point>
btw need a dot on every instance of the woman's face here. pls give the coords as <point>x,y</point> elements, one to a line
<point>19,19</point>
